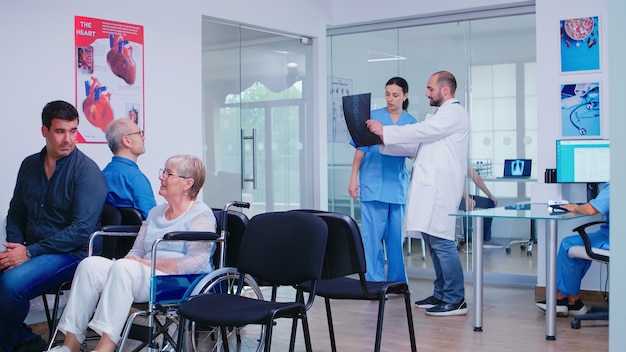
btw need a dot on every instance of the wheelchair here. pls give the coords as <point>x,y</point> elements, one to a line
<point>168,291</point>
<point>159,328</point>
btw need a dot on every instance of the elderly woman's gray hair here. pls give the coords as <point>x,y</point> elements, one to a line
<point>189,166</point>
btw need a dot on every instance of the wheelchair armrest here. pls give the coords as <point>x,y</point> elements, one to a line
<point>191,236</point>
<point>112,231</point>
<point>119,228</point>
<point>181,236</point>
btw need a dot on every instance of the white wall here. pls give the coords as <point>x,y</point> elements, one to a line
<point>37,67</point>
<point>612,76</point>
<point>548,102</point>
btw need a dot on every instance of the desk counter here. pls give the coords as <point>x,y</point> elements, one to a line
<point>532,211</point>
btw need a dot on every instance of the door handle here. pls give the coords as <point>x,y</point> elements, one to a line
<point>245,138</point>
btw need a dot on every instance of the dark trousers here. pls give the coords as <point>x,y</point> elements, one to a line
<point>481,203</point>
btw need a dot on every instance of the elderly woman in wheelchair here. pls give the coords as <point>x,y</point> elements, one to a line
<point>103,290</point>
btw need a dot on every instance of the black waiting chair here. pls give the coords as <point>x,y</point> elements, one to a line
<point>237,222</point>
<point>280,248</point>
<point>345,256</point>
<point>590,253</point>
<point>117,247</point>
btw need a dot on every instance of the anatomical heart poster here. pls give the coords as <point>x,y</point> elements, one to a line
<point>108,58</point>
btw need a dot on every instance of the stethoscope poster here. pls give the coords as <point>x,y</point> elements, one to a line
<point>580,110</point>
<point>580,44</point>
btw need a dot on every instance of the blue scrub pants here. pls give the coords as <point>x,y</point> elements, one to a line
<point>21,284</point>
<point>570,271</point>
<point>382,222</point>
<point>449,283</point>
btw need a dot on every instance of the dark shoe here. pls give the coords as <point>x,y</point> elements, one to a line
<point>578,308</point>
<point>428,302</point>
<point>444,309</point>
<point>561,307</point>
<point>35,345</point>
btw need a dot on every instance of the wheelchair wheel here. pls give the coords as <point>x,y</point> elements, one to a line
<point>245,338</point>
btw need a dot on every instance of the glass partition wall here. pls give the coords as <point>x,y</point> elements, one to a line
<point>493,60</point>
<point>257,117</point>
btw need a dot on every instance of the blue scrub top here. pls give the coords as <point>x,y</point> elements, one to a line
<point>382,177</point>
<point>601,204</point>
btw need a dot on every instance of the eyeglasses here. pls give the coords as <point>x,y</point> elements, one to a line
<point>165,174</point>
<point>140,133</point>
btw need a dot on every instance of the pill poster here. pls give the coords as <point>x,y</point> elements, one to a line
<point>580,44</point>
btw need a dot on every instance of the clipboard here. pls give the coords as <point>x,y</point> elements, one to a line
<point>356,110</point>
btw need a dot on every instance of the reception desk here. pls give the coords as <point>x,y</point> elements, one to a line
<point>538,212</point>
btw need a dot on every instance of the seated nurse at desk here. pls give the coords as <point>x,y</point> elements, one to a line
<point>570,271</point>
<point>469,202</point>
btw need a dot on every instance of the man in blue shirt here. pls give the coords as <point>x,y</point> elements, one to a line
<point>128,186</point>
<point>570,271</point>
<point>56,205</point>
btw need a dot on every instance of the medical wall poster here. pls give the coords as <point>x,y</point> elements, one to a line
<point>580,110</point>
<point>580,44</point>
<point>108,59</point>
<point>336,124</point>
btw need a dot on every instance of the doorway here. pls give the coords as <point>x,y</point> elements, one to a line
<point>257,117</point>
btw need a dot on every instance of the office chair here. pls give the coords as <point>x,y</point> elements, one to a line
<point>590,253</point>
<point>280,248</point>
<point>345,256</point>
<point>110,216</point>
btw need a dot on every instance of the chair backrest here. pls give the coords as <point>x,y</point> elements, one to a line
<point>131,216</point>
<point>110,216</point>
<point>236,223</point>
<point>589,252</point>
<point>117,247</point>
<point>345,254</point>
<point>283,248</point>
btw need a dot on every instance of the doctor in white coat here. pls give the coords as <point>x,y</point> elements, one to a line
<point>439,146</point>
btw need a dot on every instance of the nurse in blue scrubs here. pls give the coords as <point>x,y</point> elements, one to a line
<point>381,182</point>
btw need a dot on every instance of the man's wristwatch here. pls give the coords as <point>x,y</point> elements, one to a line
<point>28,253</point>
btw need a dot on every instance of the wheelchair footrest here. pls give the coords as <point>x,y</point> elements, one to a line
<point>139,333</point>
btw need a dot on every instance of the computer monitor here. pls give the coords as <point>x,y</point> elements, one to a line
<point>582,161</point>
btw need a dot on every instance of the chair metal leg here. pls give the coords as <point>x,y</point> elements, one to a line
<point>44,297</point>
<point>51,317</point>
<point>595,313</point>
<point>306,331</point>
<point>331,329</point>
<point>292,338</point>
<point>294,323</point>
<point>224,334</point>
<point>268,337</point>
<point>409,319</point>
<point>379,322</point>
<point>423,247</point>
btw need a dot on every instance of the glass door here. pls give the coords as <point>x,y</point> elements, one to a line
<point>256,102</point>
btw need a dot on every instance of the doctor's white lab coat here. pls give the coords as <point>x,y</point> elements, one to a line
<point>439,146</point>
